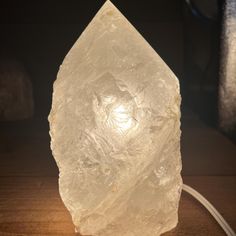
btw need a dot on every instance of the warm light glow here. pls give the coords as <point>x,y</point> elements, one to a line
<point>121,118</point>
<point>115,132</point>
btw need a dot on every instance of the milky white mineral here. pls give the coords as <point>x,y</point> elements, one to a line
<point>115,132</point>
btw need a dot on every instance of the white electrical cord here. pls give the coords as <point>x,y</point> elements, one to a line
<point>218,217</point>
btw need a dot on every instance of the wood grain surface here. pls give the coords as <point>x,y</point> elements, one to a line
<point>32,206</point>
<point>30,203</point>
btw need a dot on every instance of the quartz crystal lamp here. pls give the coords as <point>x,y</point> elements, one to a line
<point>115,132</point>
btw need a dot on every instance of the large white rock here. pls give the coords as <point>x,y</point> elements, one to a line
<point>115,132</point>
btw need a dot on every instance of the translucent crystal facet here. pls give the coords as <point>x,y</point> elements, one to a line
<point>115,132</point>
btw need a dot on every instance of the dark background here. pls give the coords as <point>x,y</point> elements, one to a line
<point>185,34</point>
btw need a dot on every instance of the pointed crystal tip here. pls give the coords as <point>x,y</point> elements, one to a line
<point>115,129</point>
<point>108,3</point>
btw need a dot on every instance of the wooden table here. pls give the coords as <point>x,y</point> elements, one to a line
<point>30,203</point>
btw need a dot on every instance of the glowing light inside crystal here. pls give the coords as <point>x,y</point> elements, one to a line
<point>115,128</point>
<point>121,118</point>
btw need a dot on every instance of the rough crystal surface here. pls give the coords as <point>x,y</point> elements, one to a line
<point>115,132</point>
